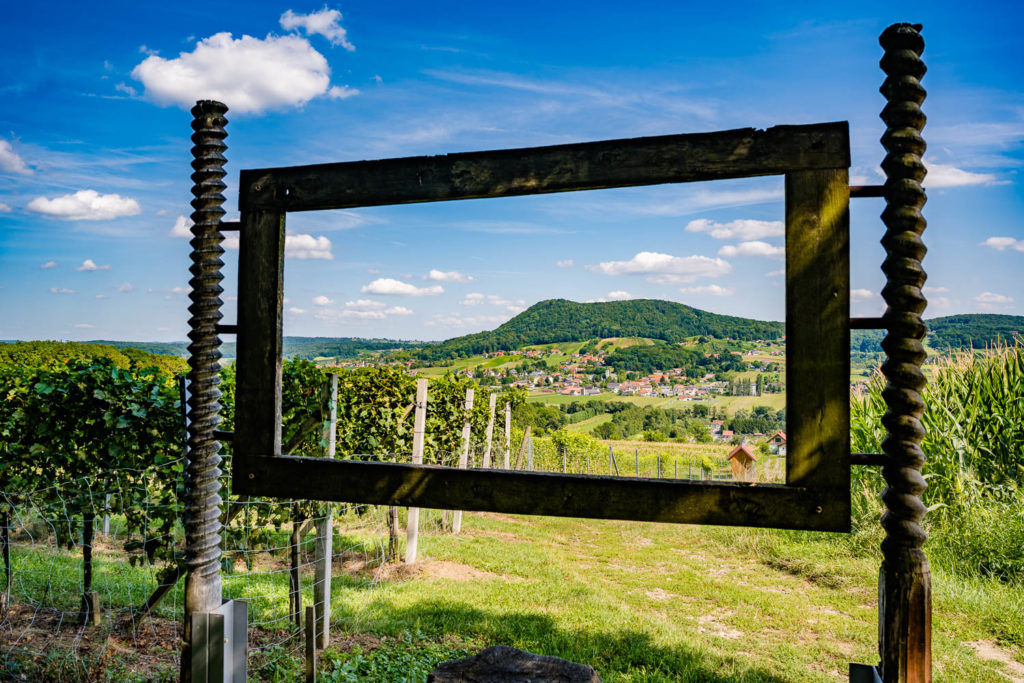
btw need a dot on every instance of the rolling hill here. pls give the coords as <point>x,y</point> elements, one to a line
<point>560,320</point>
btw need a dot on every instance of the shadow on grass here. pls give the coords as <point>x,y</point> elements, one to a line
<point>616,655</point>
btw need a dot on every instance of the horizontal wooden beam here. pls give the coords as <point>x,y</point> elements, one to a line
<point>632,162</point>
<point>535,493</point>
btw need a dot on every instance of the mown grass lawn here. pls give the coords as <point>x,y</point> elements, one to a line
<point>651,602</point>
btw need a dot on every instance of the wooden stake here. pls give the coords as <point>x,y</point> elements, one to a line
<point>412,526</point>
<point>508,433</point>
<point>464,457</point>
<point>324,550</point>
<point>310,644</point>
<point>490,429</point>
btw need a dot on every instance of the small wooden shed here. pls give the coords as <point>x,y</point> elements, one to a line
<point>742,461</point>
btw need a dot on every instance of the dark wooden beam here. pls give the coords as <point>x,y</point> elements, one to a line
<point>537,170</point>
<point>534,493</point>
<point>259,330</point>
<point>818,331</point>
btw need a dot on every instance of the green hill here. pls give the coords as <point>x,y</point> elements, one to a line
<point>956,332</point>
<point>559,320</point>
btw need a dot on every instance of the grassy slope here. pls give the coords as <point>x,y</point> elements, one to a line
<point>650,602</point>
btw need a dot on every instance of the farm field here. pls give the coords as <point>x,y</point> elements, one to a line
<point>729,403</point>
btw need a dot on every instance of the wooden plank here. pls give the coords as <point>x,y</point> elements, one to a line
<point>260,305</point>
<point>818,331</point>
<point>537,493</point>
<point>737,153</point>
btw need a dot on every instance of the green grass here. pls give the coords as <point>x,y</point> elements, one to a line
<point>639,601</point>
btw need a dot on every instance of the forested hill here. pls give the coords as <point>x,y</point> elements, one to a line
<point>559,320</point>
<point>976,330</point>
<point>301,347</point>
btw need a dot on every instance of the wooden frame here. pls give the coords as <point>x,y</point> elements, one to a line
<point>814,159</point>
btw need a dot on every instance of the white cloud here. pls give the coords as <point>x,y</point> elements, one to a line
<point>307,247</point>
<point>85,205</point>
<point>669,268</point>
<point>326,22</point>
<point>456,320</point>
<point>61,290</point>
<point>706,199</point>
<point>10,162</point>
<point>101,296</point>
<point>449,276</point>
<point>365,304</point>
<point>5,208</point>
<point>126,89</point>
<point>1001,243</point>
<point>389,286</point>
<point>943,175</point>
<point>776,273</point>
<point>929,290</point>
<point>295,246</point>
<point>182,227</point>
<point>990,298</point>
<point>90,265</point>
<point>710,290</point>
<point>84,326</point>
<point>567,263</point>
<point>322,300</point>
<point>478,299</point>
<point>247,74</point>
<point>129,287</point>
<point>172,290</point>
<point>363,315</point>
<point>296,311</point>
<point>48,264</point>
<point>754,248</point>
<point>398,310</point>
<point>618,295</point>
<point>341,92</point>
<point>744,229</point>
<point>858,295</point>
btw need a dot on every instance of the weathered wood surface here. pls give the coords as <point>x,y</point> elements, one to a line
<point>464,455</point>
<point>412,525</point>
<point>537,170</point>
<point>490,430</point>
<point>503,664</point>
<point>537,493</point>
<point>817,330</point>
<point>260,343</point>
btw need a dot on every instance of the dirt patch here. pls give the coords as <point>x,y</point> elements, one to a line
<point>442,569</point>
<point>658,594</point>
<point>990,652</point>
<point>503,518</point>
<point>710,624</point>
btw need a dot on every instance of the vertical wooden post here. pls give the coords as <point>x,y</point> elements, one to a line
<point>294,572</point>
<point>106,515</point>
<point>324,553</point>
<point>529,450</point>
<point>311,618</point>
<point>5,546</point>
<point>904,584</point>
<point>412,526</point>
<point>467,427</point>
<point>508,433</point>
<point>90,599</point>
<point>490,429</point>
<point>201,517</point>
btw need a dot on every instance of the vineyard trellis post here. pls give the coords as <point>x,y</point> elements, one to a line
<point>467,429</point>
<point>324,551</point>
<point>412,524</point>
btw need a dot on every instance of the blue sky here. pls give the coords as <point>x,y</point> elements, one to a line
<point>94,153</point>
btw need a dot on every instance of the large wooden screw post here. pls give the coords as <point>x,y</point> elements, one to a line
<point>904,587</point>
<point>202,475</point>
